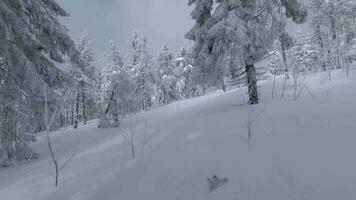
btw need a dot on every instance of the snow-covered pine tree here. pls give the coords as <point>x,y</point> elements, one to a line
<point>89,85</point>
<point>275,64</point>
<point>303,55</point>
<point>166,76</point>
<point>147,76</point>
<point>298,13</point>
<point>31,42</point>
<point>201,14</point>
<point>303,59</point>
<point>118,89</point>
<point>347,33</point>
<point>141,70</point>
<point>295,10</point>
<point>286,42</point>
<point>239,32</point>
<point>184,74</point>
<point>113,66</point>
<point>243,28</point>
<point>331,21</point>
<point>317,21</point>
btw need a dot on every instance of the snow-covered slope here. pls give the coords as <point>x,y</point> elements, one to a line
<point>299,150</point>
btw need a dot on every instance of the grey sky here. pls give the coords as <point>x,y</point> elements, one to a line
<point>160,20</point>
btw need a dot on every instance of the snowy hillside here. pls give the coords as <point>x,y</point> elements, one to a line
<point>298,150</point>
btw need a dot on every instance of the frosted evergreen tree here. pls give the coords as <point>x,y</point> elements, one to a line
<point>286,42</point>
<point>201,14</point>
<point>295,10</point>
<point>243,28</point>
<point>350,45</point>
<point>239,32</point>
<point>303,55</point>
<point>166,76</point>
<point>118,89</point>
<point>33,43</point>
<point>141,70</point>
<point>320,36</point>
<point>347,33</point>
<point>275,64</point>
<point>184,74</point>
<point>331,21</point>
<point>89,84</point>
<point>85,47</point>
<point>298,13</point>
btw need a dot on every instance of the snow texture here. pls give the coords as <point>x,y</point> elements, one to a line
<point>299,150</point>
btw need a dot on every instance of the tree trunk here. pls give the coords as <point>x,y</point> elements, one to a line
<point>284,57</point>
<point>62,120</point>
<point>84,110</point>
<point>72,114</point>
<point>334,37</point>
<point>347,68</point>
<point>67,117</point>
<point>252,84</point>
<point>274,85</point>
<point>110,100</point>
<point>188,88</point>
<point>223,86</point>
<point>76,118</point>
<point>321,44</point>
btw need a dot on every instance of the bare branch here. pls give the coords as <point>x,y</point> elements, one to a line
<point>271,54</point>
<point>66,162</point>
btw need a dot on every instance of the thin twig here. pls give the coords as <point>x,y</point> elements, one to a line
<point>66,162</point>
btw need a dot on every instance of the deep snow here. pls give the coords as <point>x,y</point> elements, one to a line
<point>299,150</point>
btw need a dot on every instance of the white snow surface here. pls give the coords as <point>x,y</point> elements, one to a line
<point>303,150</point>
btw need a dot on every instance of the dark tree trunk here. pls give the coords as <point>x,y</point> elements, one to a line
<point>84,110</point>
<point>223,86</point>
<point>67,117</point>
<point>110,101</point>
<point>334,36</point>
<point>72,114</point>
<point>62,120</point>
<point>284,57</point>
<point>252,84</point>
<point>188,88</point>
<point>76,118</point>
<point>321,44</point>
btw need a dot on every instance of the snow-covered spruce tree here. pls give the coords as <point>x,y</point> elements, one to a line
<point>118,90</point>
<point>303,57</point>
<point>350,55</point>
<point>348,34</point>
<point>320,33</point>
<point>166,75</point>
<point>31,40</point>
<point>295,10</point>
<point>89,84</point>
<point>298,13</point>
<point>240,30</point>
<point>331,21</point>
<point>184,75</point>
<point>201,14</point>
<point>275,67</point>
<point>141,70</point>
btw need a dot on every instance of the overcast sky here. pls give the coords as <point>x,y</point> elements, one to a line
<point>162,21</point>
